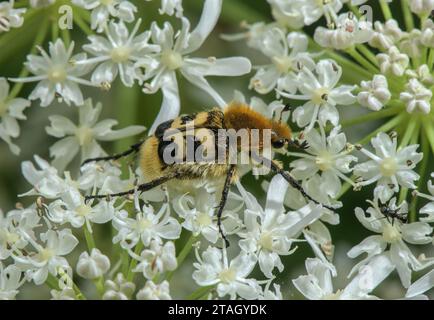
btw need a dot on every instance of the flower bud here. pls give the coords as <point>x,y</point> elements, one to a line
<point>93,266</point>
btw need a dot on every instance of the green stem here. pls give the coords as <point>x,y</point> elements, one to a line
<point>362,60</point>
<point>137,250</point>
<point>352,68</point>
<point>125,262</point>
<point>66,36</point>
<point>413,216</point>
<point>429,130</point>
<point>386,10</point>
<point>386,127</point>
<point>78,20</point>
<point>408,16</point>
<point>430,58</point>
<point>346,186</point>
<point>409,131</point>
<point>90,241</point>
<point>376,115</point>
<point>367,53</point>
<point>183,254</point>
<point>199,293</point>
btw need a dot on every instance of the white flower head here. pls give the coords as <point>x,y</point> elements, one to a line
<point>152,291</point>
<point>321,91</point>
<point>10,17</point>
<point>10,282</point>
<point>67,293</point>
<point>85,135</point>
<point>145,226</point>
<point>386,35</point>
<point>421,7</point>
<point>389,167</point>
<point>318,284</point>
<point>427,36</point>
<point>92,266</point>
<point>11,110</point>
<point>57,73</point>
<point>213,268</point>
<point>374,94</point>
<point>103,10</point>
<point>416,97</point>
<point>427,211</point>
<point>347,32</point>
<point>393,61</point>
<point>157,259</point>
<point>48,258</point>
<point>287,13</point>
<point>270,232</point>
<point>392,233</point>
<point>174,56</point>
<point>287,53</point>
<point>118,288</point>
<point>313,10</point>
<point>118,53</point>
<point>410,43</point>
<point>327,155</point>
<point>171,7</point>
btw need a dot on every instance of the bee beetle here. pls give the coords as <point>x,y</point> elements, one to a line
<point>156,149</point>
<point>393,214</point>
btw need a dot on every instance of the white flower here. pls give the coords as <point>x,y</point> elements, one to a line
<point>48,258</point>
<point>213,268</point>
<point>46,181</point>
<point>318,285</point>
<point>374,94</point>
<point>11,110</point>
<point>11,226</point>
<point>118,288</point>
<point>417,98</point>
<point>267,294</point>
<point>85,135</point>
<point>427,36</point>
<point>421,285</point>
<point>58,74</point>
<point>428,209</point>
<point>393,61</point>
<point>10,282</point>
<point>145,226</point>
<point>92,266</point>
<point>322,93</point>
<point>421,7</point>
<point>103,10</point>
<point>41,3</point>
<point>118,54</point>
<point>392,234</point>
<point>386,35</point>
<point>422,73</point>
<point>287,13</point>
<point>171,7</point>
<point>285,53</point>
<point>157,259</point>
<point>66,293</point>
<point>270,232</point>
<point>411,43</point>
<point>10,17</point>
<point>152,291</point>
<point>313,10</point>
<point>327,155</point>
<point>389,167</point>
<point>174,56</point>
<point>347,32</point>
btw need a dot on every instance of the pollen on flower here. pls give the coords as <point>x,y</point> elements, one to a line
<point>325,160</point>
<point>83,210</point>
<point>228,275</point>
<point>283,64</point>
<point>320,96</point>
<point>57,74</point>
<point>84,135</point>
<point>388,167</point>
<point>171,59</point>
<point>204,219</point>
<point>120,54</point>
<point>391,234</point>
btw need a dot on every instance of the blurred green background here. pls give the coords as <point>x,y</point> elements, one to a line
<point>130,106</point>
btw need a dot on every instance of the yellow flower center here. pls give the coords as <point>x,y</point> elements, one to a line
<point>388,167</point>
<point>203,219</point>
<point>120,54</point>
<point>320,96</point>
<point>324,161</point>
<point>391,233</point>
<point>83,210</point>
<point>46,254</point>
<point>171,59</point>
<point>266,241</point>
<point>283,64</point>
<point>84,135</point>
<point>228,275</point>
<point>144,224</point>
<point>57,74</point>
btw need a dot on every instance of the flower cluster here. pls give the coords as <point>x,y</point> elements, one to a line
<point>360,92</point>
